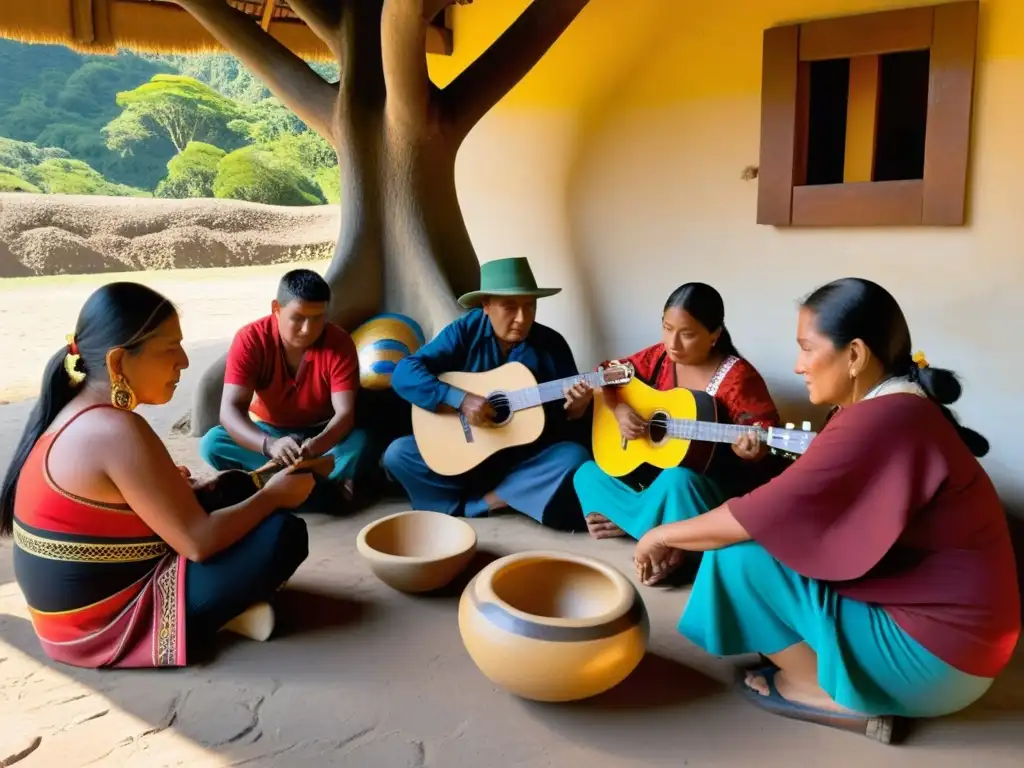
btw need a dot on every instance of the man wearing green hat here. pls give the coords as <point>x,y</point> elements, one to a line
<point>535,480</point>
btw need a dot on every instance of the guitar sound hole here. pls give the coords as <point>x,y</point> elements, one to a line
<point>657,427</point>
<point>502,408</point>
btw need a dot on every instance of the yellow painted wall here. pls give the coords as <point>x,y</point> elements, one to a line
<point>616,167</point>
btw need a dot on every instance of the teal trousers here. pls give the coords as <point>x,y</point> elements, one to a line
<point>354,457</point>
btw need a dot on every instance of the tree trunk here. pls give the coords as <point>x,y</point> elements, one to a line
<point>403,245</point>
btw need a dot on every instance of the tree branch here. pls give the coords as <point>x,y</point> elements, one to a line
<point>497,70</point>
<point>403,35</point>
<point>286,75</point>
<point>322,17</point>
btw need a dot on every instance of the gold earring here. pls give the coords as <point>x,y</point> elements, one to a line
<point>121,395</point>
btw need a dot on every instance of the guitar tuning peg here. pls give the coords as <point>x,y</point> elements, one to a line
<point>790,425</point>
<point>806,426</point>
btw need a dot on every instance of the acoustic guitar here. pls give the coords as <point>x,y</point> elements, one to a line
<point>450,445</point>
<point>683,427</point>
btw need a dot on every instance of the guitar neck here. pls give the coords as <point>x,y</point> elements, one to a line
<point>710,431</point>
<point>549,391</point>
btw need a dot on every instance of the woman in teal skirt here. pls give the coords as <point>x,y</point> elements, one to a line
<point>876,574</point>
<point>696,352</point>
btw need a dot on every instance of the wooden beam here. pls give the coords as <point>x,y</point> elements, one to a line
<point>878,203</point>
<point>268,14</point>
<point>950,102</point>
<point>779,96</point>
<point>861,119</point>
<point>866,35</point>
<point>83,29</point>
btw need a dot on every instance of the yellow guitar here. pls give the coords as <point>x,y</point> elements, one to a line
<point>450,445</point>
<point>682,430</point>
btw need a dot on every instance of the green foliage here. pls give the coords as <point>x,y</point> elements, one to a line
<point>73,177</point>
<point>256,175</point>
<point>10,181</point>
<point>123,119</point>
<point>191,173</point>
<point>181,108</point>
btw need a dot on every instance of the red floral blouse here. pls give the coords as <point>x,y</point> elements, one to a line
<point>740,390</point>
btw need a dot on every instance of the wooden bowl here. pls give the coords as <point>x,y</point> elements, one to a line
<point>417,551</point>
<point>553,626</point>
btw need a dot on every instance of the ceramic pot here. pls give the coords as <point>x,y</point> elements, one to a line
<point>417,551</point>
<point>553,626</point>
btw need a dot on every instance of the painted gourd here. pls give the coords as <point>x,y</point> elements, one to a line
<point>553,626</point>
<point>381,342</point>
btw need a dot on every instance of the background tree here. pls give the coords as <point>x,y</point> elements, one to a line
<point>179,107</point>
<point>403,244</point>
<point>191,172</point>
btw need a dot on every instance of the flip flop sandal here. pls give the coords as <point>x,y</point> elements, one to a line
<point>880,729</point>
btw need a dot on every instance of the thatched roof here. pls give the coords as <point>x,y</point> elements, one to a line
<point>159,26</point>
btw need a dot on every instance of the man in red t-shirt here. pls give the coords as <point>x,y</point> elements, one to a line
<point>290,389</point>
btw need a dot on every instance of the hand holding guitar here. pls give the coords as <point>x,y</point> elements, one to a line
<point>476,410</point>
<point>630,424</point>
<point>577,398</point>
<point>748,447</point>
<point>285,450</point>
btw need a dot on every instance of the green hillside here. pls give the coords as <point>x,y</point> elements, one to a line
<point>136,125</point>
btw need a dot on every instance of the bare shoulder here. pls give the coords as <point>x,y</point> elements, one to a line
<point>122,430</point>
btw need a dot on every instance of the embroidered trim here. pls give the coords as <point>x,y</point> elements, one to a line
<point>720,374</point>
<point>77,552</point>
<point>167,616</point>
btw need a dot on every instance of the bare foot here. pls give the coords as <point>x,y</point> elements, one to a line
<point>811,695</point>
<point>601,527</point>
<point>494,502</point>
<point>256,623</point>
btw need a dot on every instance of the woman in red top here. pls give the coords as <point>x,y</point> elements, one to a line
<point>876,573</point>
<point>696,352</point>
<point>118,562</point>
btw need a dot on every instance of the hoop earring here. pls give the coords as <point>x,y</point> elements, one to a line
<point>121,395</point>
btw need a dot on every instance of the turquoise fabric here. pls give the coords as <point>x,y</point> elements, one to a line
<point>353,456</point>
<point>676,494</point>
<point>745,601</point>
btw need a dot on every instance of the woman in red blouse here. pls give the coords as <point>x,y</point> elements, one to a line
<point>696,352</point>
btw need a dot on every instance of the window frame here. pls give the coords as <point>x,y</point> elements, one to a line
<point>950,32</point>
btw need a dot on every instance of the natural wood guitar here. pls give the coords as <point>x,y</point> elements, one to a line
<point>683,427</point>
<point>450,445</point>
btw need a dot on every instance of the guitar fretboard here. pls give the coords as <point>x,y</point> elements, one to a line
<point>707,431</point>
<point>530,397</point>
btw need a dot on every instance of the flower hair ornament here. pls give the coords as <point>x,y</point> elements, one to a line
<point>919,359</point>
<point>71,362</point>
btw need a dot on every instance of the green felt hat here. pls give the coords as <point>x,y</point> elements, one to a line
<point>506,277</point>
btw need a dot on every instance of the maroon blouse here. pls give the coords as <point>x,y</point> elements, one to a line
<point>890,507</point>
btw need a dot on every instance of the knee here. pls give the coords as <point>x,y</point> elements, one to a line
<point>571,455</point>
<point>355,441</point>
<point>585,475</point>
<point>676,476</point>
<point>746,557</point>
<point>211,445</point>
<point>288,535</point>
<point>400,454</point>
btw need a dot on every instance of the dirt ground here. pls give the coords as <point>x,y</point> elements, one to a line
<point>362,676</point>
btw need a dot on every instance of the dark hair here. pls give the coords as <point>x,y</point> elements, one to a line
<point>117,315</point>
<point>704,304</point>
<point>303,285</point>
<point>854,308</point>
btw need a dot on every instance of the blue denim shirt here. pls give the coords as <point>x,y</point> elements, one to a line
<point>469,345</point>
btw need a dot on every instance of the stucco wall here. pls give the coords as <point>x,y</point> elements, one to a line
<point>615,166</point>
